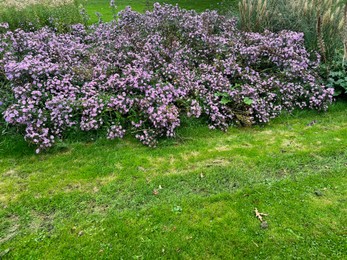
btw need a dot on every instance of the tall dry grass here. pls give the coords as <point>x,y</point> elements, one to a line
<point>345,33</point>
<point>22,4</point>
<point>322,21</point>
<point>34,14</point>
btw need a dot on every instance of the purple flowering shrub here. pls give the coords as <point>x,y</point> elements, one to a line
<point>143,72</point>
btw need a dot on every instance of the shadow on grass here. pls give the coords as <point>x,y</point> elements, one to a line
<point>13,145</point>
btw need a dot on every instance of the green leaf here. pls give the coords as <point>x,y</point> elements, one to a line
<point>236,85</point>
<point>337,92</point>
<point>221,94</point>
<point>248,101</point>
<point>225,100</point>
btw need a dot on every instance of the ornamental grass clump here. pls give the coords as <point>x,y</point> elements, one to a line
<point>142,73</point>
<point>321,21</point>
<point>31,15</point>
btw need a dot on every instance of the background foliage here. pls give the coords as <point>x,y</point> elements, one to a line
<point>32,15</point>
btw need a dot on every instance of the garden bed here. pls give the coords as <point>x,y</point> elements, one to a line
<point>141,73</point>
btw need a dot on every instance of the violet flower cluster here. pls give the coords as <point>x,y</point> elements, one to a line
<point>143,72</point>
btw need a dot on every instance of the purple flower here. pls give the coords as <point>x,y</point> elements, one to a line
<point>143,73</point>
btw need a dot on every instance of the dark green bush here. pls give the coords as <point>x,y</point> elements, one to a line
<point>337,77</point>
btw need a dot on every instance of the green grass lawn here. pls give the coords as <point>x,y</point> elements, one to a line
<point>193,197</point>
<point>103,6</point>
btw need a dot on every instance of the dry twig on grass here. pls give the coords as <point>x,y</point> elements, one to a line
<point>259,215</point>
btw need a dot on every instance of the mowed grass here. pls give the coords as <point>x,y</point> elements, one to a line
<point>103,6</point>
<point>193,197</point>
